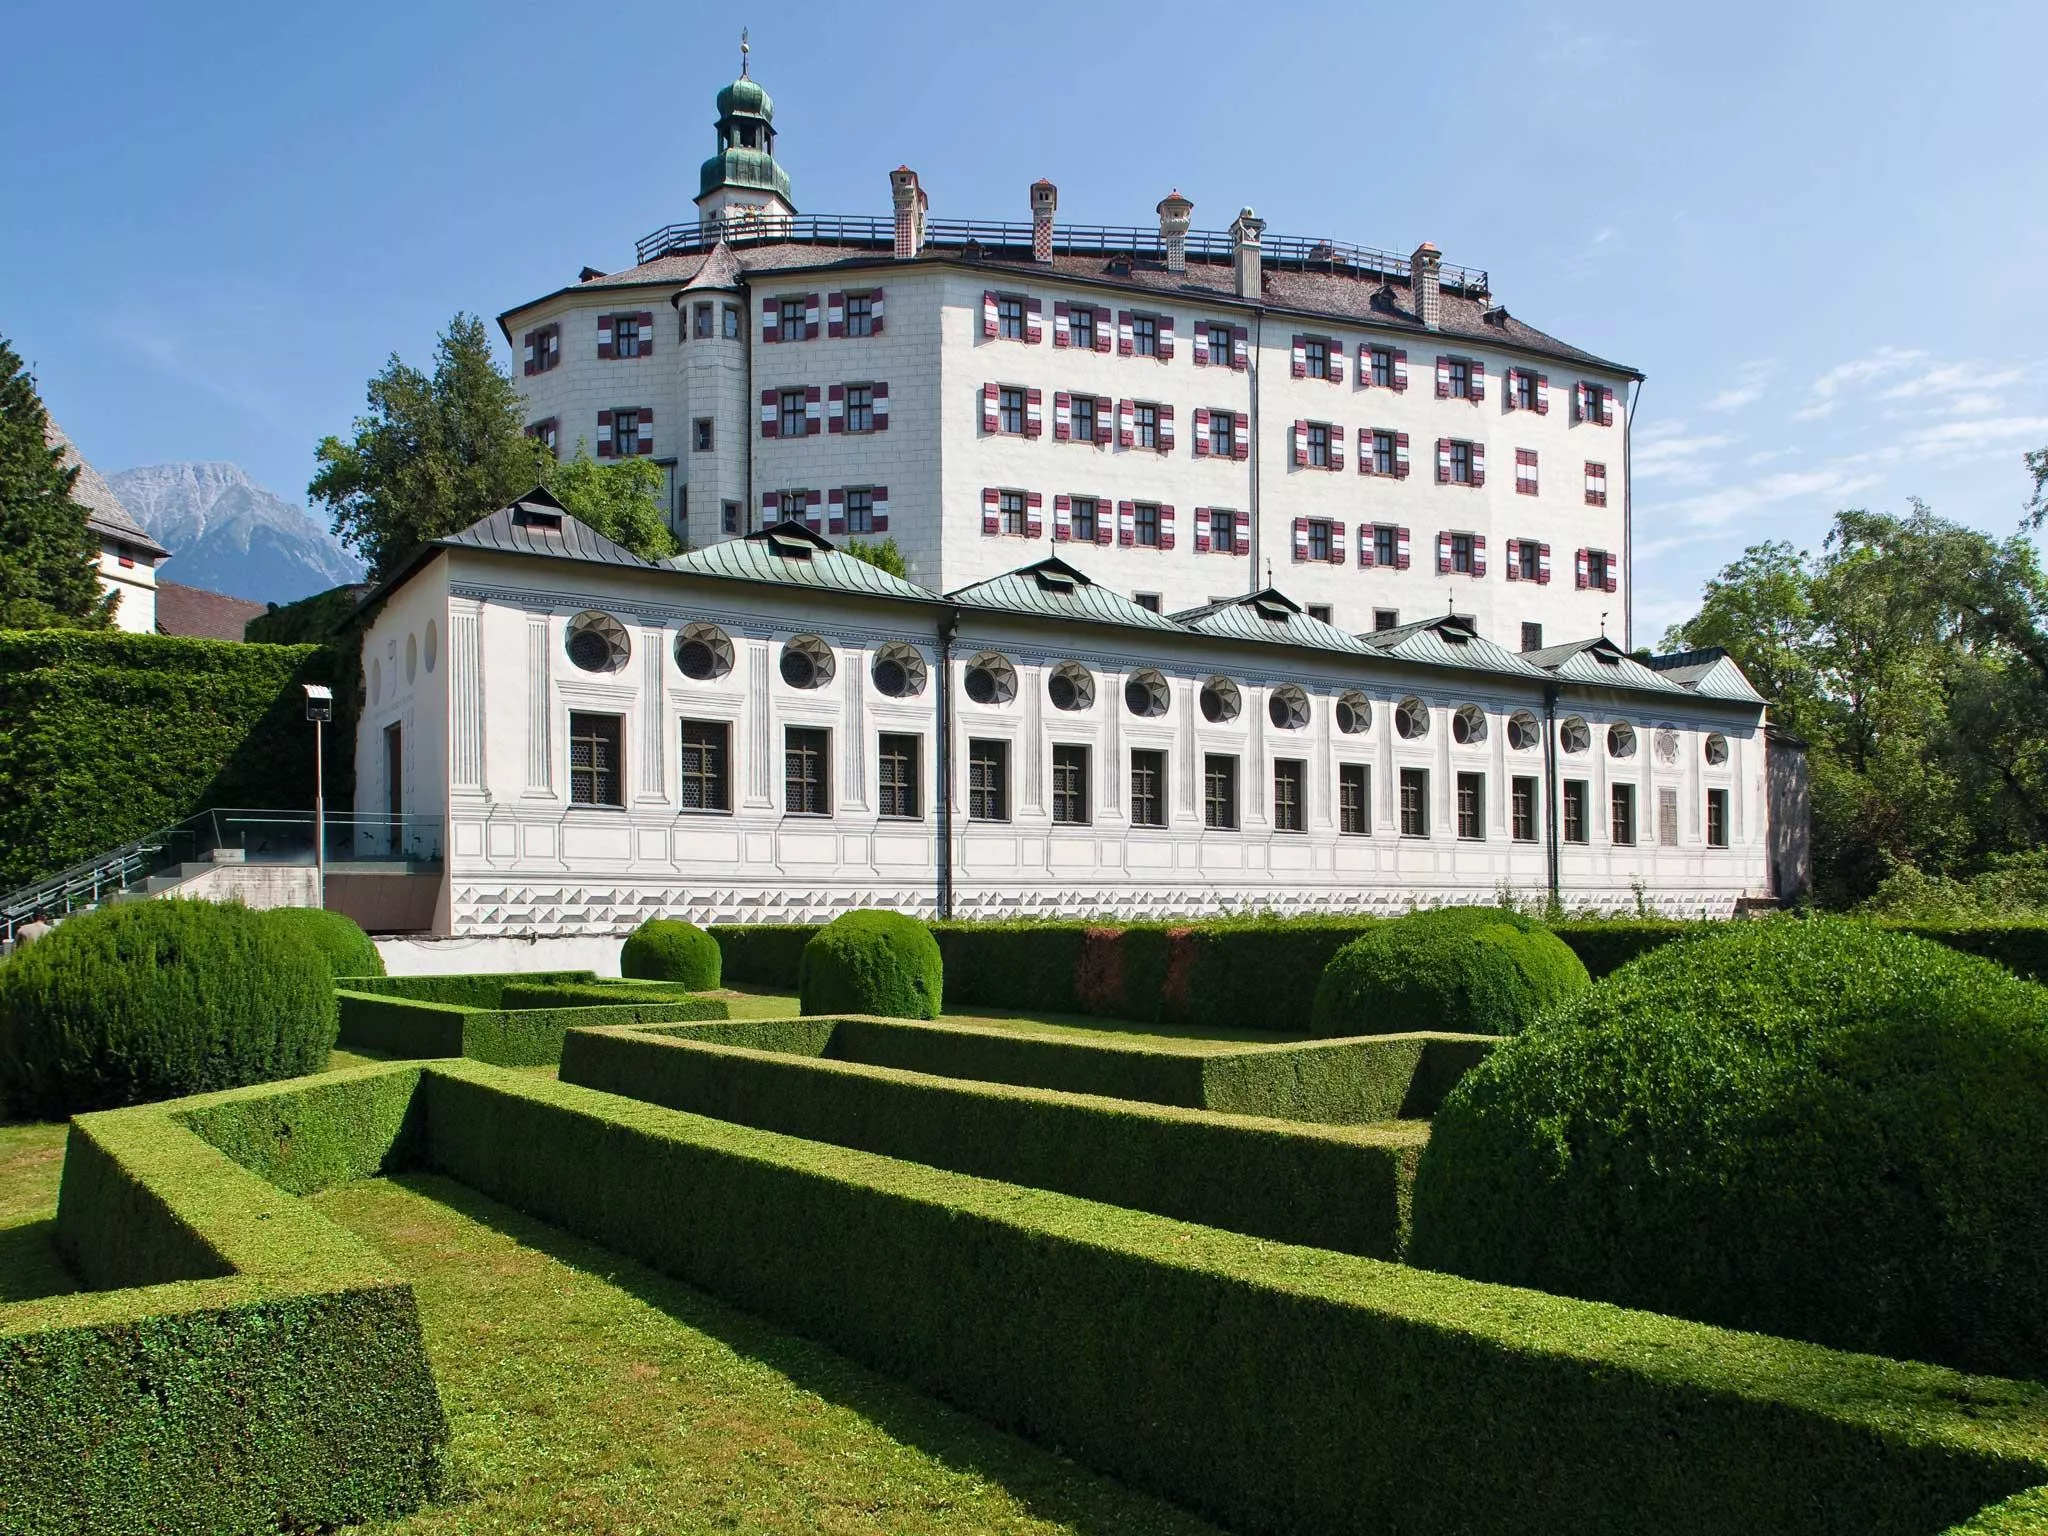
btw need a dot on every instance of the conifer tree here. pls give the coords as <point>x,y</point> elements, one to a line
<point>48,557</point>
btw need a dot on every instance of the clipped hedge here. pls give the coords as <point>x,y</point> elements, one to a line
<point>415,1029</point>
<point>1261,972</point>
<point>483,989</point>
<point>153,999</point>
<point>762,954</point>
<point>873,962</point>
<point>1817,1129</point>
<point>2021,946</point>
<point>1469,970</point>
<point>1606,944</point>
<point>1025,964</point>
<point>1272,1388</point>
<point>519,993</point>
<point>271,1376</point>
<point>1341,1189</point>
<point>666,949</point>
<point>111,736</point>
<point>348,949</point>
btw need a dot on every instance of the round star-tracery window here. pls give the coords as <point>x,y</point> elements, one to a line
<point>1717,749</point>
<point>1354,713</point>
<point>1411,719</point>
<point>597,642</point>
<point>1070,686</point>
<point>1145,694</point>
<point>899,671</point>
<point>1574,735</point>
<point>807,662</point>
<point>1621,740</point>
<point>1523,731</point>
<point>990,679</point>
<point>1468,725</point>
<point>1220,701</point>
<point>703,652</point>
<point>1287,708</point>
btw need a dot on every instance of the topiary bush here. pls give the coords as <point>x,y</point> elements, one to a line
<point>156,999</point>
<point>668,949</point>
<point>1817,1129</point>
<point>349,950</point>
<point>872,962</point>
<point>1469,970</point>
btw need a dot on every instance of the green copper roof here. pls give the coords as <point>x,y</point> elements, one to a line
<point>1600,663</point>
<point>743,168</point>
<point>1270,618</point>
<point>788,555</point>
<point>1712,674</point>
<point>1053,589</point>
<point>1447,641</point>
<point>745,98</point>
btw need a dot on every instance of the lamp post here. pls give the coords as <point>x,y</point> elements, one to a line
<point>319,710</point>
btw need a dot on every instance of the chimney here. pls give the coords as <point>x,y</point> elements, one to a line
<point>1244,242</point>
<point>1425,269</point>
<point>910,206</point>
<point>1174,213</point>
<point>1045,197</point>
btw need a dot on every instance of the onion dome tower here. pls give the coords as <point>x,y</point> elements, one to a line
<point>742,181</point>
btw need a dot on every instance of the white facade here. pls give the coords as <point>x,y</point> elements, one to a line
<point>937,460</point>
<point>467,656</point>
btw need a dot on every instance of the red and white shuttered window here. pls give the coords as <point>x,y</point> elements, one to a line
<point>1383,453</point>
<point>625,433</point>
<point>627,335</point>
<point>1318,445</point>
<point>1318,540</point>
<point>1527,391</point>
<point>548,433</point>
<point>1596,484</point>
<point>1222,346</point>
<point>1082,418</point>
<point>1146,425</point>
<point>1460,378</point>
<point>791,317</point>
<point>857,509</point>
<point>1317,357</point>
<point>1083,326</point>
<point>1593,404</point>
<point>543,348</point>
<point>1012,513</point>
<point>857,408</point>
<point>1459,462</point>
<point>1382,546</point>
<point>855,313</point>
<point>806,507</point>
<point>1012,317</point>
<point>1144,525</point>
<point>1083,519</point>
<point>1222,531</point>
<point>1529,560</point>
<point>1525,471</point>
<point>796,412</point>
<point>1382,367</point>
<point>1461,554</point>
<point>1596,570</point>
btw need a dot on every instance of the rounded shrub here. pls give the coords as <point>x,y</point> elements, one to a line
<point>155,999</point>
<point>668,949</point>
<point>872,962</point>
<point>1470,970</point>
<point>348,949</point>
<point>1816,1129</point>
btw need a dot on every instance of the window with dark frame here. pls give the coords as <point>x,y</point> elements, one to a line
<point>1010,412</point>
<point>1528,563</point>
<point>701,317</point>
<point>1320,533</point>
<point>896,776</point>
<point>1354,799</point>
<point>1223,530</point>
<point>1622,823</point>
<point>860,408</point>
<point>792,505</point>
<point>1382,368</point>
<point>700,435</point>
<point>860,314</point>
<point>1319,611</point>
<point>1145,524</point>
<point>1415,802</point>
<point>1290,782</point>
<point>732,322</point>
<point>1148,788</point>
<point>792,312</point>
<point>625,434</point>
<point>625,336</point>
<point>1069,784</point>
<point>1532,636</point>
<point>1596,567</point>
<point>1386,551</point>
<point>705,766</point>
<point>1522,810</point>
<point>1010,506</point>
<point>595,758</point>
<point>1144,336</point>
<point>1525,390</point>
<point>729,517</point>
<point>791,414</point>
<point>1461,463</point>
<point>1717,818</point>
<point>860,509</point>
<point>1223,434</point>
<point>1471,806</point>
<point>1081,416</point>
<point>988,780</point>
<point>1315,354</point>
<point>1149,601</point>
<point>1461,553</point>
<point>1667,816</point>
<point>1222,349</point>
<point>1385,618</point>
<point>806,771</point>
<point>1082,516</point>
<point>1318,445</point>
<point>1575,828</point>
<point>1010,319</point>
<point>1219,792</point>
<point>1384,461</point>
<point>1461,379</point>
<point>1081,327</point>
<point>1145,424</point>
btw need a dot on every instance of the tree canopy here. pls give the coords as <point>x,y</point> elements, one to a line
<point>882,554</point>
<point>621,500</point>
<point>48,557</point>
<point>1911,654</point>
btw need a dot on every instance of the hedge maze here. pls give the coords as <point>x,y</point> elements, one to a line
<point>513,1021</point>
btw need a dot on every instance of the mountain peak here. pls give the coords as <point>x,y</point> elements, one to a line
<point>228,534</point>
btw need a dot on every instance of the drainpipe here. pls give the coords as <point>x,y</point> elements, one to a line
<point>1628,518</point>
<point>1550,785</point>
<point>949,626</point>
<point>1252,431</point>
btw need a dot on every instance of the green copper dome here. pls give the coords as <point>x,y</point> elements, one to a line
<point>743,168</point>
<point>745,97</point>
<point>746,145</point>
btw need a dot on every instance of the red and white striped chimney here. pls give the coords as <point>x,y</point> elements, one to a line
<point>910,208</point>
<point>1045,198</point>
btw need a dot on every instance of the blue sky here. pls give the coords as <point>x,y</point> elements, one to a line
<point>1818,228</point>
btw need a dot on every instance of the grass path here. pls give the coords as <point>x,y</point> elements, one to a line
<point>746,1003</point>
<point>31,1162</point>
<point>589,1394</point>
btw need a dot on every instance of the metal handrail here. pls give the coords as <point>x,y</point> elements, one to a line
<point>862,230</point>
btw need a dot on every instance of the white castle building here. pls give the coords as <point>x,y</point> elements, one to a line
<point>1214,605</point>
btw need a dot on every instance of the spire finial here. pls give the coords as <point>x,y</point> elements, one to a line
<point>744,51</point>
<point>1603,625</point>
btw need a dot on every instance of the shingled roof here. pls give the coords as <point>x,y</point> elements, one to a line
<point>104,512</point>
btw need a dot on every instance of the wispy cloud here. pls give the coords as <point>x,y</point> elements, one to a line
<point>1979,436</point>
<point>1827,390</point>
<point>201,355</point>
<point>1668,451</point>
<point>1727,504</point>
<point>1751,380</point>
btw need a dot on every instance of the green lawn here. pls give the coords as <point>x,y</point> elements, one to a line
<point>31,1160</point>
<point>746,1003</point>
